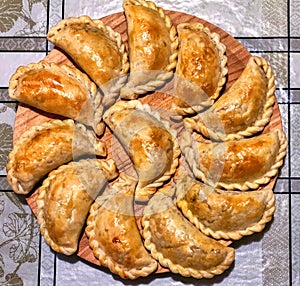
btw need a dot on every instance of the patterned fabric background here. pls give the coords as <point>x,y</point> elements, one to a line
<point>268,28</point>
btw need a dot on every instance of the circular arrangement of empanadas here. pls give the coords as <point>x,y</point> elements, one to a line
<point>200,171</point>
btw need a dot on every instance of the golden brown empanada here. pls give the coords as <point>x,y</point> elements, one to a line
<point>149,141</point>
<point>178,244</point>
<point>245,109</point>
<point>242,164</point>
<point>61,90</point>
<point>96,48</point>
<point>224,214</point>
<point>201,69</point>
<point>45,147</point>
<point>113,232</point>
<point>65,198</point>
<point>153,47</point>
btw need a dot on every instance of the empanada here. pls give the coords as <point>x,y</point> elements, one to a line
<point>45,147</point>
<point>96,48</point>
<point>241,164</point>
<point>224,214</point>
<point>153,47</point>
<point>113,232</point>
<point>178,244</point>
<point>61,90</point>
<point>64,200</point>
<point>149,141</point>
<point>201,69</point>
<point>245,109</point>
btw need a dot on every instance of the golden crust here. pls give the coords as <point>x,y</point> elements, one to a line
<point>179,245</point>
<point>224,214</point>
<point>236,164</point>
<point>148,74</point>
<point>43,148</point>
<point>192,253</point>
<point>64,200</point>
<point>131,120</point>
<point>119,247</point>
<point>244,110</point>
<point>199,47</point>
<point>83,100</point>
<point>114,65</point>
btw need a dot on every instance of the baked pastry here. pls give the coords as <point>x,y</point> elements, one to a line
<point>61,90</point>
<point>242,164</point>
<point>96,48</point>
<point>201,69</point>
<point>43,148</point>
<point>149,141</point>
<point>190,251</point>
<point>64,200</point>
<point>224,214</point>
<point>245,109</point>
<point>178,244</point>
<point>153,47</point>
<point>113,232</point>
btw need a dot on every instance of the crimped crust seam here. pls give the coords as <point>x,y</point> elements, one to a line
<point>100,148</point>
<point>148,190</point>
<point>73,72</point>
<point>129,92</point>
<point>233,235</point>
<point>175,268</point>
<point>189,153</point>
<point>112,90</point>
<point>107,167</point>
<point>250,130</point>
<point>182,111</point>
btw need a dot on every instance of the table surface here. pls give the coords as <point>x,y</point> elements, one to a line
<point>267,28</point>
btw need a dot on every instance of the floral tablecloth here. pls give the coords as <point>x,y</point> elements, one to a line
<point>270,28</point>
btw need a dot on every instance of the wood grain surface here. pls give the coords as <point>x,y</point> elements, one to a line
<point>237,59</point>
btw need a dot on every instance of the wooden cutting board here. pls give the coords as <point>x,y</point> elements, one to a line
<point>237,55</point>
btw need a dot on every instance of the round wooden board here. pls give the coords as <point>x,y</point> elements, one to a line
<point>237,55</point>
